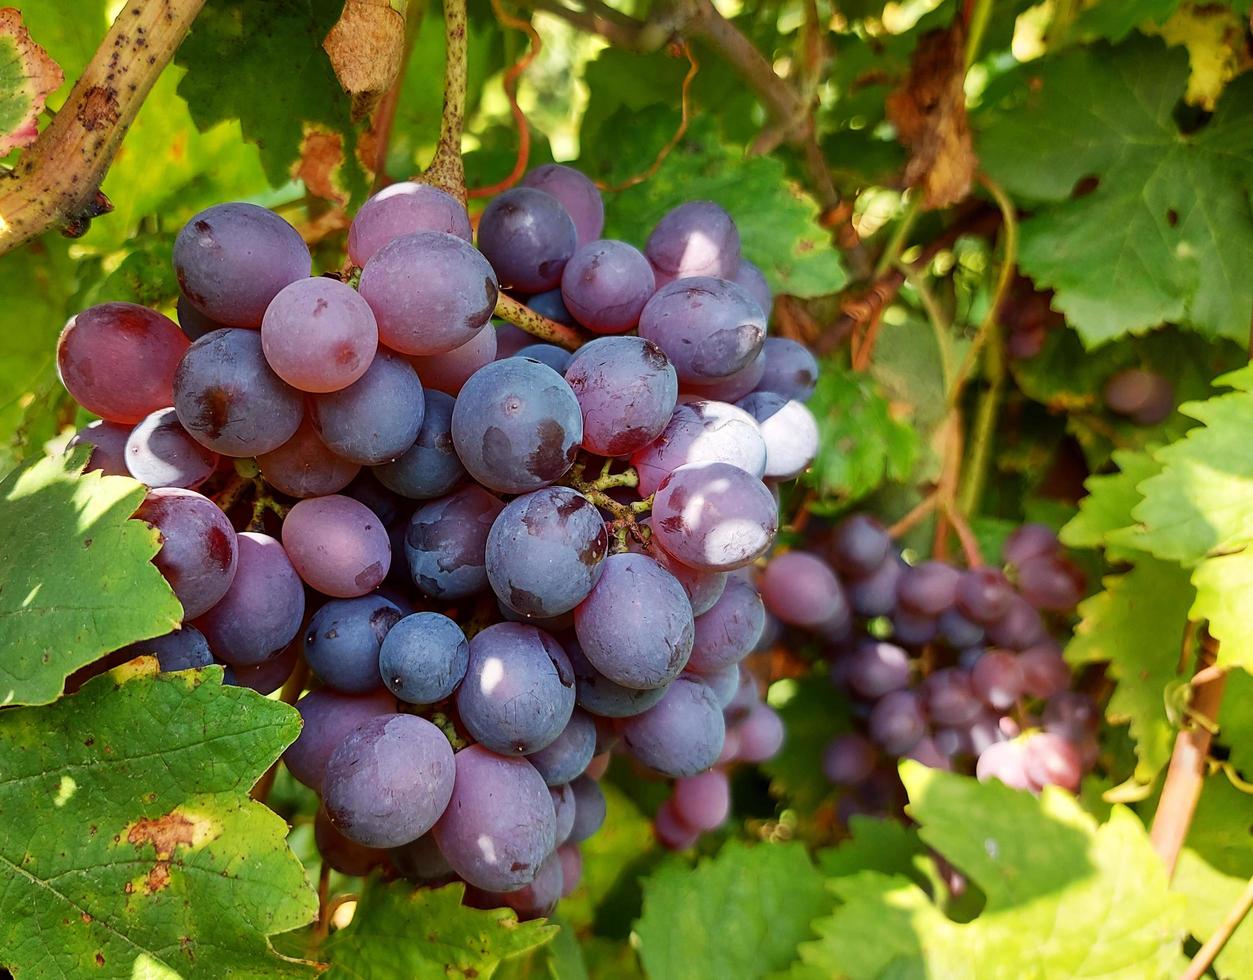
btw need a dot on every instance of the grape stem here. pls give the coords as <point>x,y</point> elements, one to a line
<point>446,169</point>
<point>57,179</point>
<point>537,325</point>
<point>625,516</point>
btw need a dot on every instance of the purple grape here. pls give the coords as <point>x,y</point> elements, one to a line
<point>672,833</point>
<point>751,278</point>
<point>567,756</point>
<point>341,854</point>
<point>951,700</point>
<point>789,430</point>
<point>723,681</point>
<point>997,678</point>
<point>549,304</point>
<point>577,194</point>
<point>199,549</point>
<point>544,551</point>
<point>702,802</point>
<point>555,357</point>
<point>848,760</point>
<point>108,442</point>
<point>714,516</point>
<point>267,676</point>
<point>1051,582</point>
<point>192,322</point>
<point>328,717</point>
<point>448,372</point>
<point>596,693</point>
<point>1029,541</point>
<point>421,860</point>
<point>1050,760</point>
<point>303,466</point>
<point>626,390</point>
<point>319,335</point>
<point>927,753</point>
<point>912,629</point>
<point>1146,397</point>
<point>337,545</point>
<point>703,588</point>
<point>262,610</point>
<point>709,328</point>
<point>635,589</point>
<point>499,825</point>
<point>375,419</point>
<point>1005,761</point>
<point>987,729</point>
<point>801,590</point>
<point>695,239</point>
<point>389,780</point>
<point>791,369</point>
<point>404,208</point>
<point>1071,714</point>
<point>589,809</point>
<point>229,399</point>
<point>118,360</point>
<point>761,734</point>
<point>897,722</point>
<point>446,543</point>
<point>423,658</point>
<point>681,734</point>
<point>701,432</point>
<point>160,453</point>
<point>342,642</point>
<point>732,388</point>
<point>518,692</point>
<point>958,631</point>
<point>727,633</point>
<point>533,901</point>
<point>1044,670</point>
<point>183,649</point>
<point>563,807</point>
<point>232,259</point>
<point>984,595</point>
<point>606,284</point>
<point>430,292</point>
<point>528,237</point>
<point>875,668</point>
<point>571,859</point>
<point>517,426</point>
<point>430,467</point>
<point>1019,628</point>
<point>875,595</point>
<point>860,547</point>
<point>929,588</point>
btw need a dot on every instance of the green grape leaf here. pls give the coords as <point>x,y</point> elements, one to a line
<point>739,914</point>
<point>812,714</point>
<point>1092,899</point>
<point>862,443</point>
<point>1235,720</point>
<point>1136,626</point>
<point>401,931</point>
<point>1115,19</point>
<point>777,221</point>
<point>263,64</point>
<point>129,845</point>
<point>1214,869</point>
<point>1224,596</point>
<point>886,846</point>
<point>1202,501</point>
<point>76,578</point>
<point>27,76</point>
<point>1105,512</point>
<point>1166,235</point>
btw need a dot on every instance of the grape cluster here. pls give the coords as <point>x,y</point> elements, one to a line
<point>498,560</point>
<point>953,668</point>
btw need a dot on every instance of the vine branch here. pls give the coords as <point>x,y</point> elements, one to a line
<point>57,179</point>
<point>446,169</point>
<point>1206,955</point>
<point>538,325</point>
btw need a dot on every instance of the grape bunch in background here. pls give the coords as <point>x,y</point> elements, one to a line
<point>954,668</point>
<point>499,560</point>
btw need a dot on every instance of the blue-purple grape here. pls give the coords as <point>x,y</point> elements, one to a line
<point>714,516</point>
<point>448,372</point>
<point>376,418</point>
<point>695,239</point>
<point>404,208</point>
<point>848,760</point>
<point>328,716</point>
<point>342,641</point>
<point>701,432</point>
<point>875,668</point>
<point>423,658</point>
<point>597,694</point>
<point>555,357</point>
<point>446,543</point>
<point>108,446</point>
<point>577,194</point>
<point>627,391</point>
<point>564,759</point>
<point>606,284</point>
<point>517,425</point>
<point>232,259</point>
<point>563,809</point>
<point>859,546</point>
<point>430,467</point>
<point>789,430</point>
<point>790,369</point>
<point>319,335</point>
<point>304,465</point>
<point>528,237</point>
<point>160,453</point>
<point>897,722</point>
<point>337,545</point>
<point>199,548</point>
<point>589,809</point>
<point>549,304</point>
<point>801,590</point>
<point>709,328</point>
<point>729,631</point>
<point>183,649</point>
<point>682,734</point>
